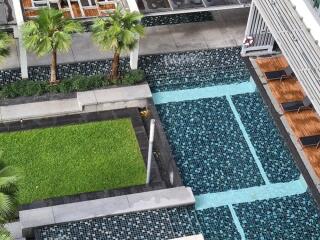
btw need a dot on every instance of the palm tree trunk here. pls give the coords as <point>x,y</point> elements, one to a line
<point>53,77</point>
<point>115,66</point>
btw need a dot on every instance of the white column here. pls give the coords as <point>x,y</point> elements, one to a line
<point>17,32</point>
<point>134,55</point>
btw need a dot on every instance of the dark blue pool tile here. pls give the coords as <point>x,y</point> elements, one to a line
<point>194,69</point>
<point>149,21</point>
<point>294,217</point>
<point>274,155</point>
<point>158,224</point>
<point>217,223</point>
<point>208,146</point>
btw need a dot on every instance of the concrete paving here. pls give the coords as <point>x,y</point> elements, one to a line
<point>165,198</point>
<point>39,109</point>
<point>88,101</point>
<point>226,30</point>
<point>15,230</point>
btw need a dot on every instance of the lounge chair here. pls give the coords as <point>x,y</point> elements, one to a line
<point>310,141</point>
<point>297,106</point>
<point>280,74</point>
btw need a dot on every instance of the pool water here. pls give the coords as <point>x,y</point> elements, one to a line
<point>227,149</point>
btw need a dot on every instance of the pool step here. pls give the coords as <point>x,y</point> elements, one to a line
<point>194,237</point>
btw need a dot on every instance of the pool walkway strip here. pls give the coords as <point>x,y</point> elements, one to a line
<point>247,138</point>
<point>237,222</point>
<point>206,92</point>
<point>246,195</point>
<point>165,198</point>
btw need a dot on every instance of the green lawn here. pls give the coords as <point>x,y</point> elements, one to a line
<point>73,159</point>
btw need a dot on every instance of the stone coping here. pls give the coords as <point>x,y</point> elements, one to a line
<point>97,100</point>
<point>165,198</point>
<point>195,237</point>
<point>111,95</point>
<point>15,230</point>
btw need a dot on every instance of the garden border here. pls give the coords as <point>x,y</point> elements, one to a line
<point>140,132</point>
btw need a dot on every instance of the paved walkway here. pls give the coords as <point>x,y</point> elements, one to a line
<point>88,101</point>
<point>226,30</point>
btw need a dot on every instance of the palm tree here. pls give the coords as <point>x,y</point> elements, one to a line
<point>8,197</point>
<point>50,33</point>
<point>119,32</point>
<point>5,234</point>
<point>5,41</point>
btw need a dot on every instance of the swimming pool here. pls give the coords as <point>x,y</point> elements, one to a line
<point>228,151</point>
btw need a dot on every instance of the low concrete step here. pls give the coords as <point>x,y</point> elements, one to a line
<point>39,110</point>
<point>89,101</point>
<point>114,98</point>
<point>195,237</point>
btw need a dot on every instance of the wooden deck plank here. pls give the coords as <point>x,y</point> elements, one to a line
<point>91,12</point>
<point>76,10</point>
<point>272,63</point>
<point>287,90</point>
<point>26,3</point>
<point>304,123</point>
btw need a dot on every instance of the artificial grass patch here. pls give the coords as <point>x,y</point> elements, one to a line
<point>72,159</point>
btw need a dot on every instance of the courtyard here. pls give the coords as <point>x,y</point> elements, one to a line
<point>224,160</point>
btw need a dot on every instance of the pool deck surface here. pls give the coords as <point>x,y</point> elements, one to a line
<point>229,26</point>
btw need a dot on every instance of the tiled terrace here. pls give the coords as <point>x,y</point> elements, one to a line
<point>303,123</point>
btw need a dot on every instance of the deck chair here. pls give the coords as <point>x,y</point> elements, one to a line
<point>310,141</point>
<point>296,106</point>
<point>280,74</point>
<point>40,3</point>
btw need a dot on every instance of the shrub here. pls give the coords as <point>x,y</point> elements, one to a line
<point>7,92</point>
<point>73,84</point>
<point>134,76</point>
<point>66,86</point>
<point>32,88</point>
<point>52,88</point>
<point>97,81</point>
<point>22,88</point>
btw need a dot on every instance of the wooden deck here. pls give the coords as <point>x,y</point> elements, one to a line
<point>73,9</point>
<point>304,123</point>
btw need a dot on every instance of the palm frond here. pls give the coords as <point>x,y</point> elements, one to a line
<point>5,234</point>
<point>9,178</point>
<point>5,41</point>
<point>49,32</point>
<point>119,32</point>
<point>7,206</point>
